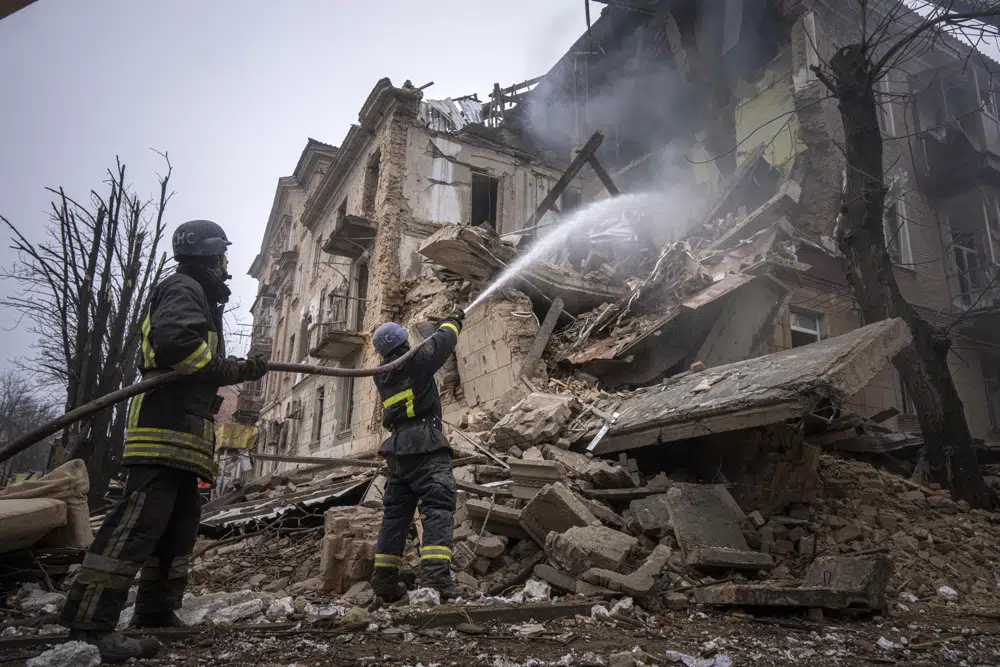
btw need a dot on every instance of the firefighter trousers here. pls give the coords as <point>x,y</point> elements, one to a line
<point>425,480</point>
<point>151,531</point>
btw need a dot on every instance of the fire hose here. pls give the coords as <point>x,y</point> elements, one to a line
<point>106,401</point>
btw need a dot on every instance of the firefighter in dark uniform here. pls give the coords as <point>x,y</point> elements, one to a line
<point>418,458</point>
<point>169,447</point>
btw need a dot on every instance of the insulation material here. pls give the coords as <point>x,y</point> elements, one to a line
<point>766,116</point>
<point>68,483</point>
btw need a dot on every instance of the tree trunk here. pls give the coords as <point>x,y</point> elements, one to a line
<point>923,366</point>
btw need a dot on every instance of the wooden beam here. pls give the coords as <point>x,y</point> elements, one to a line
<point>582,157</point>
<point>319,460</point>
<point>605,177</point>
<point>534,354</point>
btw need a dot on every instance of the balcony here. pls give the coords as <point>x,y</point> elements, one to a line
<point>285,266</point>
<point>352,236</point>
<point>249,403</point>
<point>334,340</point>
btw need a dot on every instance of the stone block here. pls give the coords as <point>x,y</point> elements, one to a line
<point>863,576</point>
<point>554,508</point>
<point>487,546</point>
<point>558,579</point>
<point>462,556</point>
<point>500,519</point>
<point>652,515</point>
<point>605,475</point>
<point>576,464</point>
<point>707,524</point>
<point>583,547</point>
<point>530,476</point>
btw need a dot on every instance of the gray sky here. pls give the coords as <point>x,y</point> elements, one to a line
<point>231,89</point>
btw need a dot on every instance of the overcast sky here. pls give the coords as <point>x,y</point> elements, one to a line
<point>231,89</point>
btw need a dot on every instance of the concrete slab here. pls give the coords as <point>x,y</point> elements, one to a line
<point>754,392</point>
<point>502,520</point>
<point>583,547</point>
<point>652,515</point>
<point>554,508</point>
<point>706,522</point>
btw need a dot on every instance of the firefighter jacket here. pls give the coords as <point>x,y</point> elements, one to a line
<point>411,404</point>
<point>174,425</point>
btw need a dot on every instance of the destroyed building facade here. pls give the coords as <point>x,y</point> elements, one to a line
<point>716,111</point>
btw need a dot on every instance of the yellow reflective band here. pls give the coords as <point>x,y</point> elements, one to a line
<point>133,411</point>
<point>435,557</point>
<point>166,451</point>
<point>402,396</point>
<point>388,566</point>
<point>195,361</point>
<point>449,325</point>
<point>213,342</point>
<point>148,353</point>
<point>164,436</point>
<point>446,550</point>
<point>388,557</point>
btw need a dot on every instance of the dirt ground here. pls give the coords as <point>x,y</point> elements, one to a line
<point>706,639</point>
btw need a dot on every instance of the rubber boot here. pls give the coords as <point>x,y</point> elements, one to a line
<point>437,575</point>
<point>115,647</point>
<point>386,584</point>
<point>166,619</point>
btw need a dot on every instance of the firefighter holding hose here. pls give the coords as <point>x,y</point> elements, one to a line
<point>418,458</point>
<point>169,447</point>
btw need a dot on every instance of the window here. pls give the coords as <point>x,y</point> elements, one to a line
<point>362,295</point>
<point>968,267</point>
<point>346,404</point>
<point>317,417</point>
<point>991,376</point>
<point>896,228</point>
<point>304,337</point>
<point>317,258</point>
<point>371,184</point>
<point>291,347</point>
<point>806,328</point>
<point>485,191</point>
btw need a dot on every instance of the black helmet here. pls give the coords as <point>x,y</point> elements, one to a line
<point>200,238</point>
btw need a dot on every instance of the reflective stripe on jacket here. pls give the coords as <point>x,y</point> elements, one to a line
<point>174,425</point>
<point>410,395</point>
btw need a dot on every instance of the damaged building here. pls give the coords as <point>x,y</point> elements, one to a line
<point>703,149</point>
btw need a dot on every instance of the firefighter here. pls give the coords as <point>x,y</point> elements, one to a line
<point>418,458</point>
<point>169,447</point>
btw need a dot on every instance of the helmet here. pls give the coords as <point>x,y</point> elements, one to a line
<point>200,238</point>
<point>388,337</point>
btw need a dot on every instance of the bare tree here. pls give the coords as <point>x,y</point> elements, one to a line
<point>890,35</point>
<point>84,289</point>
<point>20,411</point>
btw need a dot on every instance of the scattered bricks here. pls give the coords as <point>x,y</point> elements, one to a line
<point>757,519</point>
<point>707,524</point>
<point>580,548</point>
<point>637,584</point>
<point>481,565</point>
<point>797,533</point>
<point>466,579</point>
<point>675,600</point>
<point>554,508</point>
<point>888,523</point>
<point>347,552</point>
<point>848,533</point>
<point>532,454</point>
<point>530,476</point>
<point>487,546</point>
<point>915,496</point>
<point>462,532</point>
<point>807,545</point>
<point>604,514</point>
<point>536,419</point>
<point>502,520</point>
<point>652,515</point>
<point>782,547</point>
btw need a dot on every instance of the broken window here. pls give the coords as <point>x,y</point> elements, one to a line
<point>972,223</point>
<point>362,296</point>
<point>317,258</point>
<point>896,228</point>
<point>806,328</point>
<point>485,193</point>
<point>317,417</point>
<point>371,184</point>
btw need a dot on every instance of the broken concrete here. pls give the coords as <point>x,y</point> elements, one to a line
<point>347,554</point>
<point>706,522</point>
<point>537,419</point>
<point>755,392</point>
<point>499,519</point>
<point>652,515</point>
<point>581,548</point>
<point>554,509</point>
<point>639,583</point>
<point>530,476</point>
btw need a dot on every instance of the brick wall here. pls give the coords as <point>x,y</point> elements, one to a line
<point>493,343</point>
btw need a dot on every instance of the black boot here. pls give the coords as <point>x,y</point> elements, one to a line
<point>116,647</point>
<point>437,575</point>
<point>164,619</point>
<point>387,585</point>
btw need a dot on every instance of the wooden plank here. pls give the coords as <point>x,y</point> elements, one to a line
<point>604,176</point>
<point>319,460</point>
<point>538,345</point>
<point>621,495</point>
<point>581,158</point>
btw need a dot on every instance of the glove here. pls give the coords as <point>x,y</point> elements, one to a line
<point>253,368</point>
<point>458,316</point>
